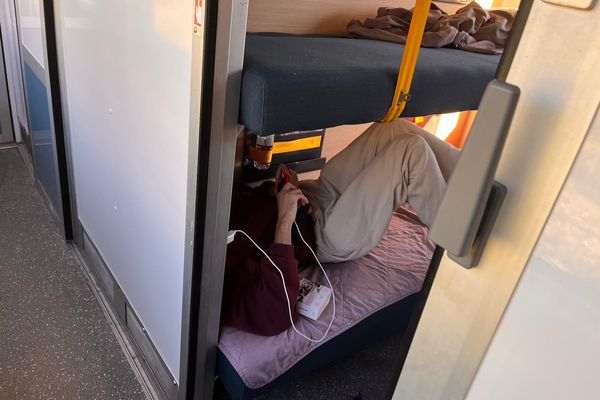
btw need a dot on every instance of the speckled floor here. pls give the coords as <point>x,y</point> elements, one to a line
<point>368,374</point>
<point>55,342</point>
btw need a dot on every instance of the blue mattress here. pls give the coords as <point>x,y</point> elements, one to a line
<point>295,82</point>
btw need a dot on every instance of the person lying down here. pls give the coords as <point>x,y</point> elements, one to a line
<point>343,214</point>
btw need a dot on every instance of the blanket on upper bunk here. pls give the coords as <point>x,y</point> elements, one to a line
<point>300,83</point>
<point>471,28</point>
<point>392,271</point>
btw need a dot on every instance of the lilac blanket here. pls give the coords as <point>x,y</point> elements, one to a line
<point>392,271</point>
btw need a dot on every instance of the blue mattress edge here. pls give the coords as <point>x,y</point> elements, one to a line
<point>292,82</point>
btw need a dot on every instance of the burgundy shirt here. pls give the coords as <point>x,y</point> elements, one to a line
<point>253,298</point>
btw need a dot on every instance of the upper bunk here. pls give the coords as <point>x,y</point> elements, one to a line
<point>304,82</point>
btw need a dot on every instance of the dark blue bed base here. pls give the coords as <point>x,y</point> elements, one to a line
<point>297,83</point>
<point>385,322</point>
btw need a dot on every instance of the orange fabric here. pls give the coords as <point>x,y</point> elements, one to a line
<point>459,135</point>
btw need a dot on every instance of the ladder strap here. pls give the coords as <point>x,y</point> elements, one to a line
<point>409,60</point>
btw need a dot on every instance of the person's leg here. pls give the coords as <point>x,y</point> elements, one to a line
<point>445,154</point>
<point>345,166</point>
<point>405,170</point>
<point>339,172</point>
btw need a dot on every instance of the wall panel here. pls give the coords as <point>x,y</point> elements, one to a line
<point>128,71</point>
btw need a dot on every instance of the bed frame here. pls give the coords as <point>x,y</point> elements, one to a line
<point>328,17</point>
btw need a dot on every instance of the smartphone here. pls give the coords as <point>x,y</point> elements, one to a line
<point>283,179</point>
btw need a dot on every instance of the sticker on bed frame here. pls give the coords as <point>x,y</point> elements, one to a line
<point>197,17</point>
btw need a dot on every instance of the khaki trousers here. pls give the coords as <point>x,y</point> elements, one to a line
<point>388,165</point>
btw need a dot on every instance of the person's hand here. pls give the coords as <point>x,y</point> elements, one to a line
<point>289,199</point>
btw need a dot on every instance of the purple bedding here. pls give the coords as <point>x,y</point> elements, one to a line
<point>392,271</point>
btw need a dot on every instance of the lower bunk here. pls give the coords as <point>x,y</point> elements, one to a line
<point>375,298</point>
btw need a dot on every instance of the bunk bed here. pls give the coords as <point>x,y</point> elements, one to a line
<point>307,82</point>
<point>375,296</point>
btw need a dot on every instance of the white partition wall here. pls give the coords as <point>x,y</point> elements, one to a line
<point>127,74</point>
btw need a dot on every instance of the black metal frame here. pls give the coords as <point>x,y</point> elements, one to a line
<point>57,114</point>
<point>221,85</point>
<point>188,388</point>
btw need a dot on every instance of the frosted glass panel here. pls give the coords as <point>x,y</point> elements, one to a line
<point>12,59</point>
<point>31,28</point>
<point>548,344</point>
<point>43,141</point>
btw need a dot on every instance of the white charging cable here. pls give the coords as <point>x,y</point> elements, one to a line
<point>231,237</point>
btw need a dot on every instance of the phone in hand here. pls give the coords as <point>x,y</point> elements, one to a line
<point>283,179</point>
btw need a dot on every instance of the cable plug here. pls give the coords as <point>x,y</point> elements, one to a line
<point>230,236</point>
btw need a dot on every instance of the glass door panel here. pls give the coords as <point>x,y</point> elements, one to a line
<point>50,171</point>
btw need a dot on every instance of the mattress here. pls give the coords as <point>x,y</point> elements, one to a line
<point>365,287</point>
<point>293,82</point>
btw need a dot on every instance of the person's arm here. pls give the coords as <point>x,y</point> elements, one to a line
<point>258,303</point>
<point>289,199</point>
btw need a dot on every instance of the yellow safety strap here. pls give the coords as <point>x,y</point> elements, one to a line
<point>264,156</point>
<point>409,60</point>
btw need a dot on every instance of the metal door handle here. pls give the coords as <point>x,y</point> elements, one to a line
<point>472,200</point>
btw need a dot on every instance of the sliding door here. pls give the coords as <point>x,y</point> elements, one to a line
<point>36,42</point>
